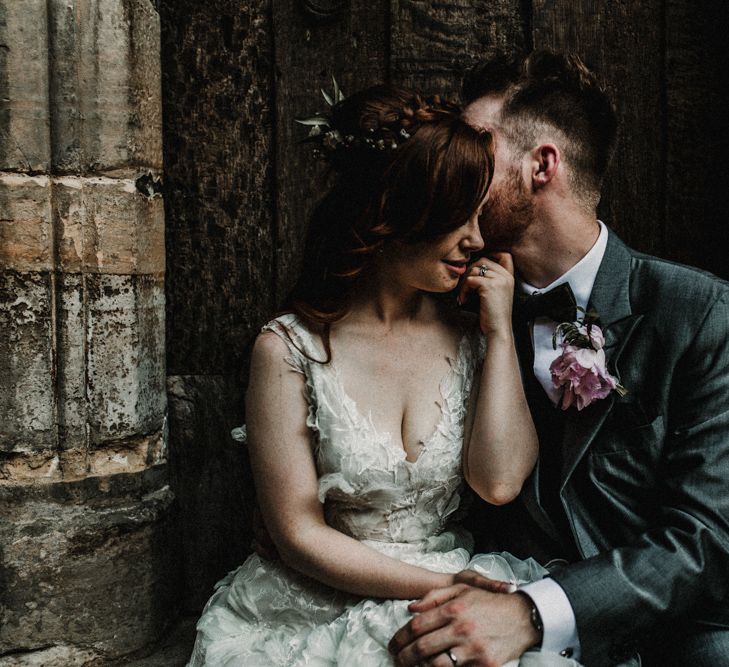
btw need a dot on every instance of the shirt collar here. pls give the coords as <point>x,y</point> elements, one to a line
<point>581,277</point>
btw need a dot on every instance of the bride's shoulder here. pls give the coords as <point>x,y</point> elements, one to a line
<point>289,326</point>
<point>289,336</point>
<point>270,347</point>
<point>282,321</point>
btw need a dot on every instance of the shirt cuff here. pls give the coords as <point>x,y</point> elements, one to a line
<point>558,618</point>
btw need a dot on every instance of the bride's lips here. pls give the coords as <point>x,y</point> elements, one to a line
<point>456,266</point>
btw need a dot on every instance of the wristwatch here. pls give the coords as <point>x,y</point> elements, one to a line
<point>536,618</point>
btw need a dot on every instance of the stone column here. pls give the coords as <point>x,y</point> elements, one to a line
<point>88,564</point>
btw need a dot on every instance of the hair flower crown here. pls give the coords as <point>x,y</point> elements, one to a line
<point>384,133</point>
<point>329,139</point>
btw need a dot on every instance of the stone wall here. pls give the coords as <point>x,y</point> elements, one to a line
<point>88,565</point>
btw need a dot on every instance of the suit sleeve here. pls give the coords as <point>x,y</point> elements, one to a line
<point>681,564</point>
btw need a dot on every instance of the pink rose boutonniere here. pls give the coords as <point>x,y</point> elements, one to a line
<point>580,369</point>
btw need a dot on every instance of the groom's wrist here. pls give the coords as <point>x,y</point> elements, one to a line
<point>560,626</point>
<point>535,627</point>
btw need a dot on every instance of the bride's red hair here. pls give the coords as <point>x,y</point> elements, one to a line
<point>430,184</point>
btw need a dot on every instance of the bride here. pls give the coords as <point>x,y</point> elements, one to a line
<point>371,399</point>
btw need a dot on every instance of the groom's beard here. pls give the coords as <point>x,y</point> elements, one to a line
<point>507,214</point>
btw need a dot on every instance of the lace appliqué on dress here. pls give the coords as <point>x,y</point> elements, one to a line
<point>265,613</point>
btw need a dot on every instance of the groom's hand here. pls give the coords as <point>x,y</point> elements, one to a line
<point>478,626</point>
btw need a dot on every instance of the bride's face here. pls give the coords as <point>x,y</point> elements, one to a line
<point>437,266</point>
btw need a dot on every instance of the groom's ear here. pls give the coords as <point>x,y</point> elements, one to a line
<point>545,160</point>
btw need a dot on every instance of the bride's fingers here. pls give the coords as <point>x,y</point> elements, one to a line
<point>426,644</point>
<point>505,260</point>
<point>435,598</point>
<point>415,628</point>
<point>473,578</point>
<point>444,660</point>
<point>477,270</point>
<point>464,290</point>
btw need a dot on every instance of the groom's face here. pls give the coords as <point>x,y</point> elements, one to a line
<point>509,209</point>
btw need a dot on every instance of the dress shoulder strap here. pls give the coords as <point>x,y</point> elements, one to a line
<point>303,346</point>
<point>306,352</point>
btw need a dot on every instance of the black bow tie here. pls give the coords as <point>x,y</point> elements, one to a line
<point>557,304</point>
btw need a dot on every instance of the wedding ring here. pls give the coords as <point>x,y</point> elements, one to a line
<point>449,653</point>
<point>482,270</point>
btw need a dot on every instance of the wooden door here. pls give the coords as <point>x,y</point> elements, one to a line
<point>239,187</point>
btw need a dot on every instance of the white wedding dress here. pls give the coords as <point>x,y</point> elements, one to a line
<point>265,613</point>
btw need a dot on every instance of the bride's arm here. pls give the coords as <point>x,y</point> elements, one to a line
<point>287,488</point>
<point>500,443</point>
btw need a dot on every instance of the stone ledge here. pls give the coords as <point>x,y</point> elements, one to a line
<point>60,655</point>
<point>173,650</point>
<point>100,576</point>
<point>80,225</point>
<point>91,491</point>
<point>123,456</point>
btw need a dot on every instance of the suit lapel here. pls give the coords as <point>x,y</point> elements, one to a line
<point>610,299</point>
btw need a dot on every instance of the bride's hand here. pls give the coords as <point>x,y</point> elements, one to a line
<point>473,578</point>
<point>493,281</point>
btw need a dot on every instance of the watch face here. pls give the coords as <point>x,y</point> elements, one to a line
<point>536,618</point>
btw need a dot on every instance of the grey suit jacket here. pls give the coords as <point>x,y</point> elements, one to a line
<point>645,477</point>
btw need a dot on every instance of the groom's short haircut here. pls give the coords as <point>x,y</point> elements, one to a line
<point>557,90</point>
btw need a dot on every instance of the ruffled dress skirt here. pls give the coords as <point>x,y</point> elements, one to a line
<point>264,613</point>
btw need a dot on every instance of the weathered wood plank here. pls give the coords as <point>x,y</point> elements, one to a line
<point>623,43</point>
<point>218,138</point>
<point>351,46</point>
<point>434,43</point>
<point>218,141</point>
<point>697,80</point>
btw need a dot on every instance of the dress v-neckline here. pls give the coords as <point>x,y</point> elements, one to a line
<point>387,436</point>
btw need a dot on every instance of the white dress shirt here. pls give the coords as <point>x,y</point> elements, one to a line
<point>558,618</point>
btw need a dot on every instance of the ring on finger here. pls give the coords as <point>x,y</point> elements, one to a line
<point>449,652</point>
<point>482,272</point>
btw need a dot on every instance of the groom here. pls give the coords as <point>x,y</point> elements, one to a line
<point>630,497</point>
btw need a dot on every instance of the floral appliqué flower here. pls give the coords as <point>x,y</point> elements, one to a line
<point>581,368</point>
